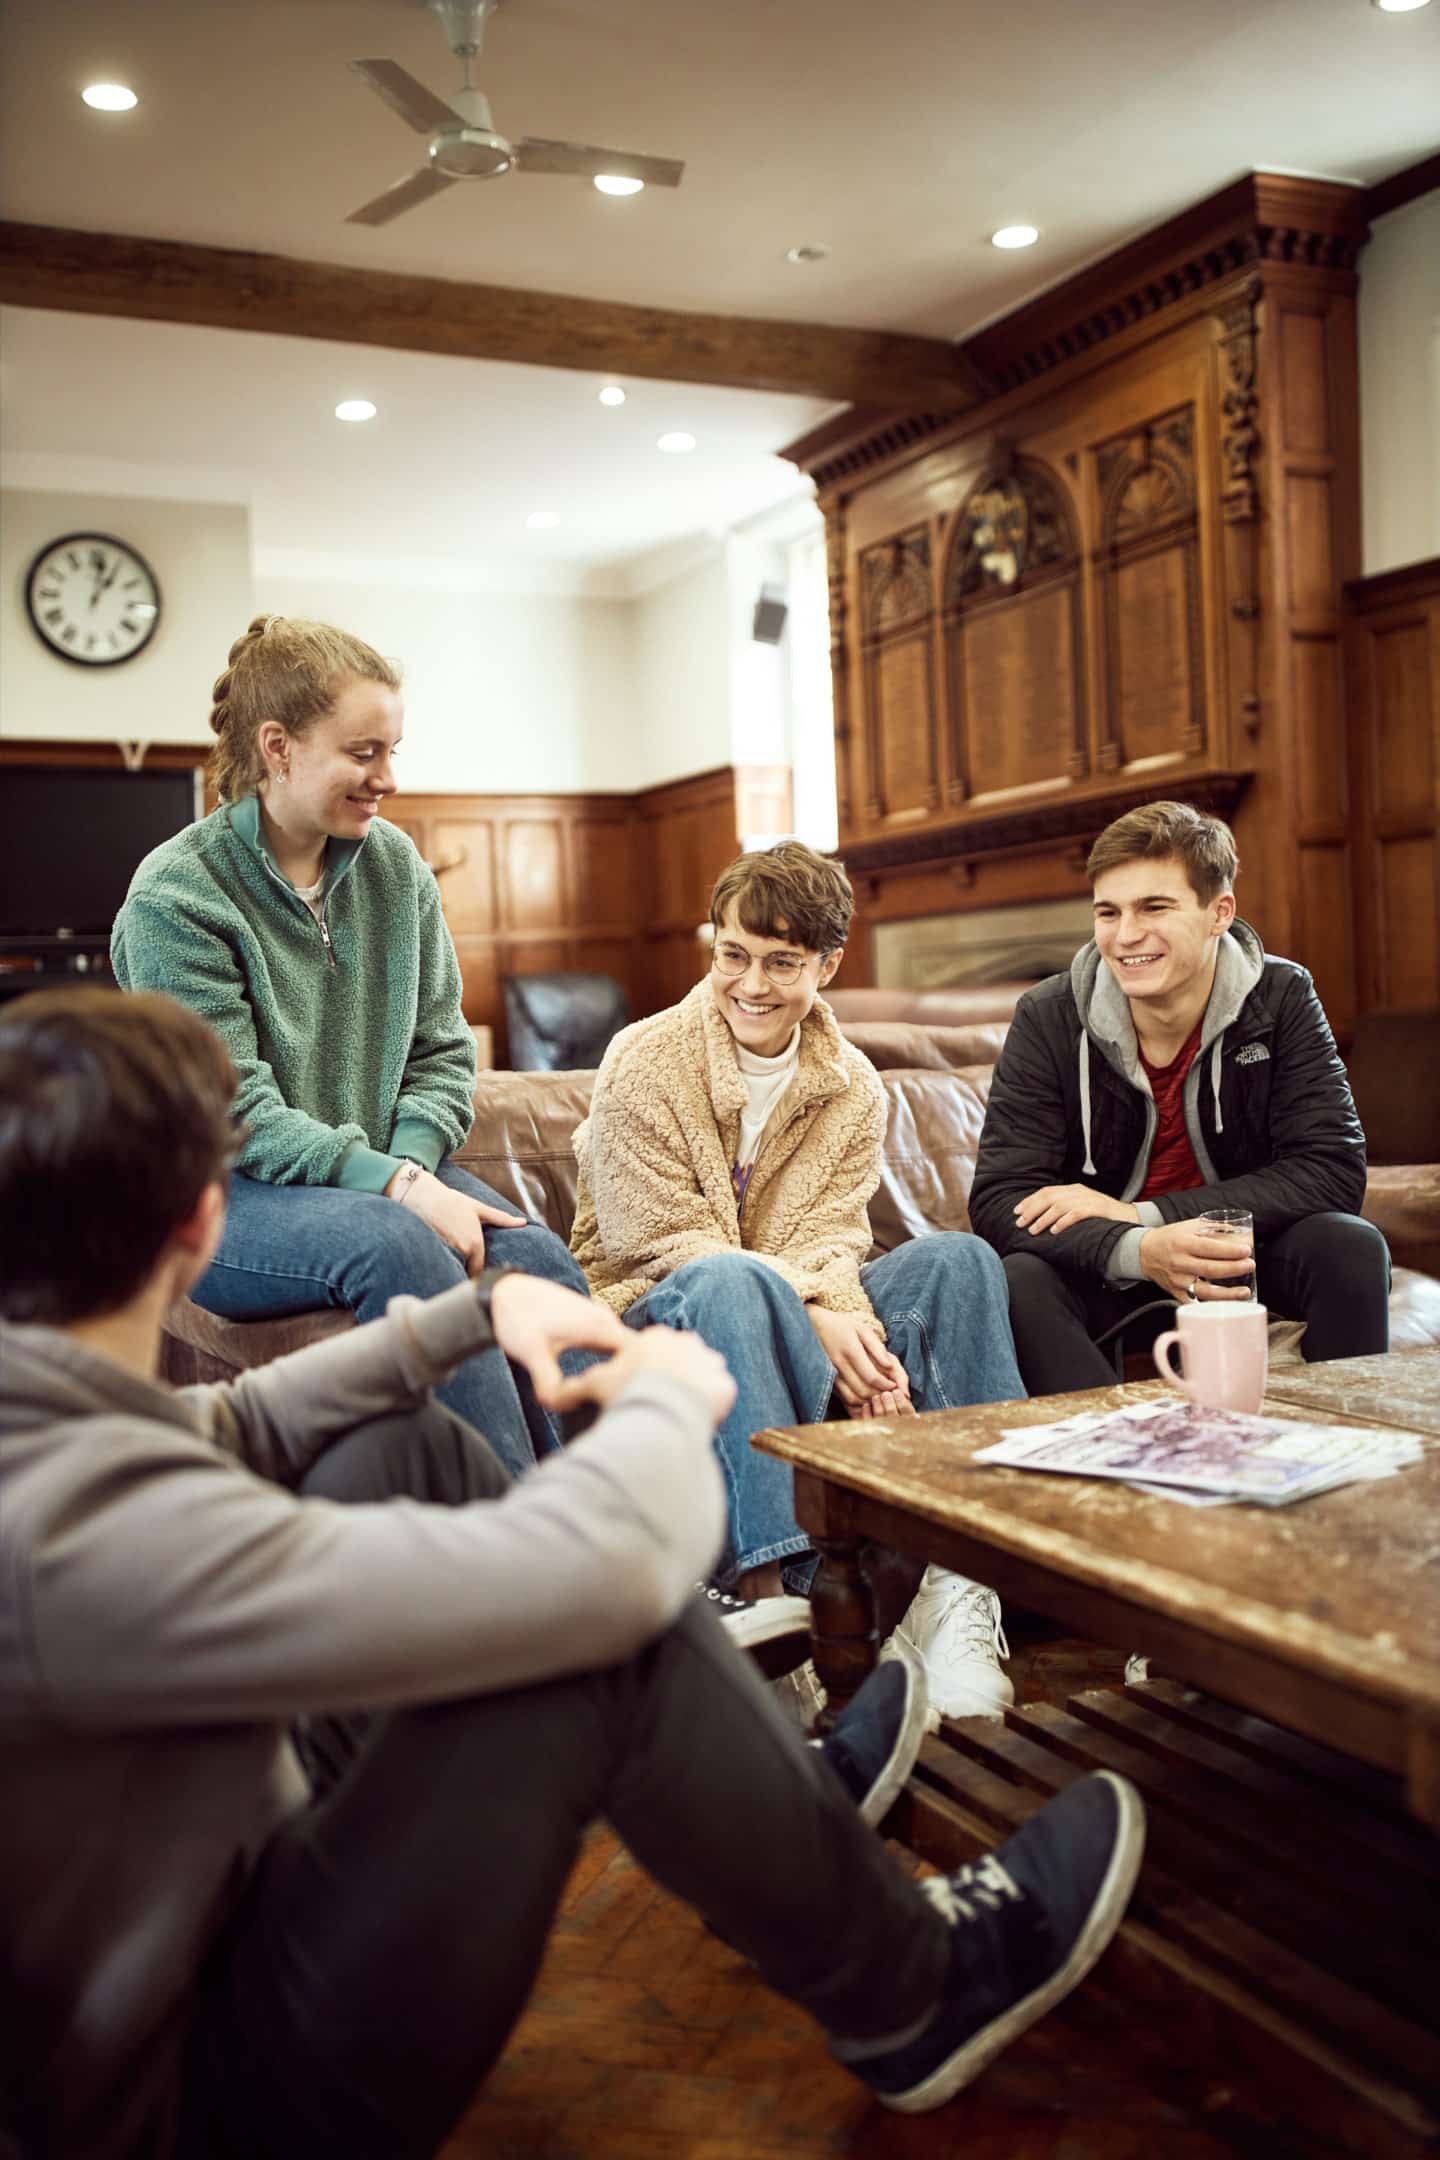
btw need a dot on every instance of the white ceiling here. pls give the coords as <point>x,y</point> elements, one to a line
<point>897,137</point>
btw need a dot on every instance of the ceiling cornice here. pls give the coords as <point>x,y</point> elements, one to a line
<point>48,266</point>
<point>1265,219</point>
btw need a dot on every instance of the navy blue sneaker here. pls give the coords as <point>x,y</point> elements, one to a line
<point>874,1741</point>
<point>1030,1919</point>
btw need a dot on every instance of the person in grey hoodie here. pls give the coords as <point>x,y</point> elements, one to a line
<point>1176,1068</point>
<point>304,1707</point>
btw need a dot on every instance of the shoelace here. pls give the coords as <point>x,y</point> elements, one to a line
<point>960,1896</point>
<point>979,1609</point>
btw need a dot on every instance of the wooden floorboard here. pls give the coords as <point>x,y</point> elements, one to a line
<point>647,2039</point>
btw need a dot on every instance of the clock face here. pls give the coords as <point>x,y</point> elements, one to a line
<point>93,599</point>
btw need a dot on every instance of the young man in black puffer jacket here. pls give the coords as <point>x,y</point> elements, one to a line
<point>1174,1069</point>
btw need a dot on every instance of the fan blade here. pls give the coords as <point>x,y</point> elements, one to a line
<point>402,197</point>
<point>536,155</point>
<point>420,107</point>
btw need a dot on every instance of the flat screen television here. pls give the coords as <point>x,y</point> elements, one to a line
<point>71,838</point>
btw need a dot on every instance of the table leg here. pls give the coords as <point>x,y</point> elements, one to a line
<point>843,1629</point>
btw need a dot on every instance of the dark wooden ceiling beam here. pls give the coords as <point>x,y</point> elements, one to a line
<point>229,289</point>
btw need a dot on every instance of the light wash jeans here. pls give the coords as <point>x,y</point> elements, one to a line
<point>288,1248</point>
<point>945,1307</point>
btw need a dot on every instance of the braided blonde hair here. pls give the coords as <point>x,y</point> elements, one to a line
<point>287,670</point>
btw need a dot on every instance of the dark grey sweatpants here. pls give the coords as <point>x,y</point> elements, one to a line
<point>391,1933</point>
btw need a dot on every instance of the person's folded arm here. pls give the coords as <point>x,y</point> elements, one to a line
<point>1024,1145</point>
<point>821,1250</point>
<point>183,1590</point>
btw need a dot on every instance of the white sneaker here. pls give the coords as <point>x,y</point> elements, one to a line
<point>955,1625</point>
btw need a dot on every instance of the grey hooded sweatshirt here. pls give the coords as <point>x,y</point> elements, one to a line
<point>168,1605</point>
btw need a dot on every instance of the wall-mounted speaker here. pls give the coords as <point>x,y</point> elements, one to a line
<point>771,610</point>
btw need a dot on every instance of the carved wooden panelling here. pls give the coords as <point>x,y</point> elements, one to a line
<point>1319,701</point>
<point>1014,524</point>
<point>1017,691</point>
<point>901,722</point>
<point>1148,566</point>
<point>1012,634</point>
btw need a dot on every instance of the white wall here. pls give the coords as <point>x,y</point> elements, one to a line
<point>200,553</point>
<point>1400,387</point>
<point>680,657</point>
<point>505,693</point>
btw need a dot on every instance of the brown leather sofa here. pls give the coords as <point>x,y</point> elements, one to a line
<point>520,1144</point>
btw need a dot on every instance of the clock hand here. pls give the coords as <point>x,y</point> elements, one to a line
<point>104,584</point>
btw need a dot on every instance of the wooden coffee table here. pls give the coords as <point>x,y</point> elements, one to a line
<point>1289,1911</point>
<point>1324,1617</point>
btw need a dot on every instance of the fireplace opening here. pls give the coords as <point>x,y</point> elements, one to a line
<point>982,946</point>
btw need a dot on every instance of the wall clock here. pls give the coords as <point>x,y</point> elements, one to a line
<point>93,599</point>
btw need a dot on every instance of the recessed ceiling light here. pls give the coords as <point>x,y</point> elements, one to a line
<point>1399,7</point>
<point>542,520</point>
<point>612,183</point>
<point>810,252</point>
<point>1015,236</point>
<point>676,440</point>
<point>355,408</point>
<point>110,97</point>
<point>612,394</point>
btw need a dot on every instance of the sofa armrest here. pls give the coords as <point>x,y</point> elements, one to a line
<point>1403,1202</point>
<point>519,1141</point>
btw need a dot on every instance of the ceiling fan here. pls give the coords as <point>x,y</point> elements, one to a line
<point>463,143</point>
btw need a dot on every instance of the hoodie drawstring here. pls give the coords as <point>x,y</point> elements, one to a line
<point>1215,1079</point>
<point>1087,1168</point>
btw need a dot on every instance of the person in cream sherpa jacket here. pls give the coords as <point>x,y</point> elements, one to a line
<point>732,1146</point>
<point>309,934</point>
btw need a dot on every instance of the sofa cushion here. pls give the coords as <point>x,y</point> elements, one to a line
<point>1403,1201</point>
<point>901,1045</point>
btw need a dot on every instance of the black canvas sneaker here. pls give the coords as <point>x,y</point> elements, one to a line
<point>753,1621</point>
<point>1029,1920</point>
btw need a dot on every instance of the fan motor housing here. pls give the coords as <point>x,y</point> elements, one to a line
<point>471,153</point>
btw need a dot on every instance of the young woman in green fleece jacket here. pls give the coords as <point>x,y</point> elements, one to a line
<point>309,933</point>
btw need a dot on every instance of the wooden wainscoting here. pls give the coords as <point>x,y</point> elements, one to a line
<point>529,883</point>
<point>617,884</point>
<point>1392,655</point>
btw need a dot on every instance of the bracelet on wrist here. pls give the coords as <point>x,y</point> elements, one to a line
<point>407,1178</point>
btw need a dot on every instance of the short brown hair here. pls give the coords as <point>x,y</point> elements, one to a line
<point>115,1114</point>
<point>1205,845</point>
<point>287,670</point>
<point>787,892</point>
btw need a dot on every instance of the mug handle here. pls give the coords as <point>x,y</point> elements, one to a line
<point>1162,1359</point>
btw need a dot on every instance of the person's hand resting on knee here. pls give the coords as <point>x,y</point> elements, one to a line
<point>453,1216</point>
<point>870,1380</point>
<point>673,1351</point>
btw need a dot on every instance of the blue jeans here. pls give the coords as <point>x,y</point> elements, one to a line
<point>945,1308</point>
<point>288,1248</point>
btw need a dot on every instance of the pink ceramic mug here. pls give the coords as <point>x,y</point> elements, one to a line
<point>1223,1353</point>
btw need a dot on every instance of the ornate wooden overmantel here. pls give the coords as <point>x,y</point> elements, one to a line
<point>1117,579</point>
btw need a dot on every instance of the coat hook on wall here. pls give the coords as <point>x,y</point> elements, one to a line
<point>132,754</point>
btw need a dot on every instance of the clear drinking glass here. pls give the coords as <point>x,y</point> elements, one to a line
<point>1232,1222</point>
